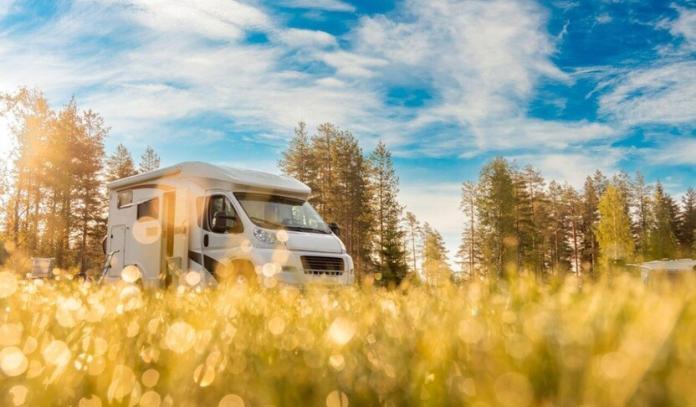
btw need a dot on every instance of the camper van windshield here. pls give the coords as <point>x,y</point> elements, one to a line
<point>277,212</point>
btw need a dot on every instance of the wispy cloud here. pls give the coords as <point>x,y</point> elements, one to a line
<point>328,5</point>
<point>684,26</point>
<point>573,166</point>
<point>659,94</point>
<point>680,151</point>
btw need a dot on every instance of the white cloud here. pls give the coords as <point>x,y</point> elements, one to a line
<point>531,133</point>
<point>351,64</point>
<point>481,58</point>
<point>306,38</point>
<point>680,151</point>
<point>214,19</point>
<point>604,18</point>
<point>574,166</point>
<point>328,5</point>
<point>660,94</point>
<point>685,26</point>
<point>484,60</point>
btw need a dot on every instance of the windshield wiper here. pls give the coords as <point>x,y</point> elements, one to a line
<point>267,222</point>
<point>306,229</point>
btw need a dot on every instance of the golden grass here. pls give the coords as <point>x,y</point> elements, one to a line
<point>518,343</point>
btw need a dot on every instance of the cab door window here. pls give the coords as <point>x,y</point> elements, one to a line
<point>221,216</point>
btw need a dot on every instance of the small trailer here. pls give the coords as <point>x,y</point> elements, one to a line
<point>200,218</point>
<point>669,268</point>
<point>42,268</point>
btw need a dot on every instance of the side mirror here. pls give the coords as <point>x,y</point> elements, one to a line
<point>335,228</point>
<point>223,223</point>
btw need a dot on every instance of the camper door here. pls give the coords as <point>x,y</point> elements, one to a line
<point>175,232</point>
<point>222,232</point>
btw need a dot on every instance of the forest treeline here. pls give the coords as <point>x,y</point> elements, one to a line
<point>359,192</point>
<point>52,186</point>
<point>54,203</point>
<point>515,220</point>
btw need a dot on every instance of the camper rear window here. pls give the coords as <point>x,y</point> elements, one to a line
<point>125,198</point>
<point>149,209</point>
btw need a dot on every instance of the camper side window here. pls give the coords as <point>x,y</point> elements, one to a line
<point>149,209</point>
<point>125,198</point>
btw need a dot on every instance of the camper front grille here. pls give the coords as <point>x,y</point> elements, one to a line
<point>319,265</point>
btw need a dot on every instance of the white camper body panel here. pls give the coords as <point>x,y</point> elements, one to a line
<point>160,222</point>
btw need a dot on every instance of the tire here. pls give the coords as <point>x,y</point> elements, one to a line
<point>239,270</point>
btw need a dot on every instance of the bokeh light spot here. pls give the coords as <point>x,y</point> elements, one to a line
<point>337,399</point>
<point>341,331</point>
<point>57,353</point>
<point>13,362</point>
<point>150,378</point>
<point>130,274</point>
<point>231,400</point>
<point>180,337</point>
<point>8,284</point>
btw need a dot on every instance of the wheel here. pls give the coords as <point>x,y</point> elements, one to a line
<point>240,270</point>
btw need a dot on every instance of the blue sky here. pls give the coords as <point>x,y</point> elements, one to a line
<point>568,86</point>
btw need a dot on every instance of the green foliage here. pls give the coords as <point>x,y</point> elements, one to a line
<point>687,223</point>
<point>391,257</point>
<point>470,250</point>
<point>496,210</point>
<point>662,239</point>
<point>641,196</point>
<point>332,163</point>
<point>614,228</point>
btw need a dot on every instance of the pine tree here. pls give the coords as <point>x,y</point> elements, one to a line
<point>435,267</point>
<point>529,218</point>
<point>297,160</point>
<point>387,211</point>
<point>558,242</point>
<point>470,248</point>
<point>614,228</point>
<point>333,166</point>
<point>641,205</point>
<point>120,164</point>
<point>346,199</point>
<point>496,208</point>
<point>663,242</point>
<point>55,190</point>
<point>687,222</point>
<point>592,190</point>
<point>90,204</point>
<point>413,230</point>
<point>149,161</point>
<point>622,181</point>
<point>573,203</point>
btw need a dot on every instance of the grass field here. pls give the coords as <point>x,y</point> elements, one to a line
<point>614,342</point>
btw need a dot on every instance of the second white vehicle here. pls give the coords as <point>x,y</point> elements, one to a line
<point>202,218</point>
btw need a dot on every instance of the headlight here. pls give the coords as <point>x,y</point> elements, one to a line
<point>265,237</point>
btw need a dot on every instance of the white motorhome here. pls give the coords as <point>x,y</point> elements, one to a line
<point>203,218</point>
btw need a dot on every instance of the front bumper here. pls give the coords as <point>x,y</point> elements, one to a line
<point>286,267</point>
